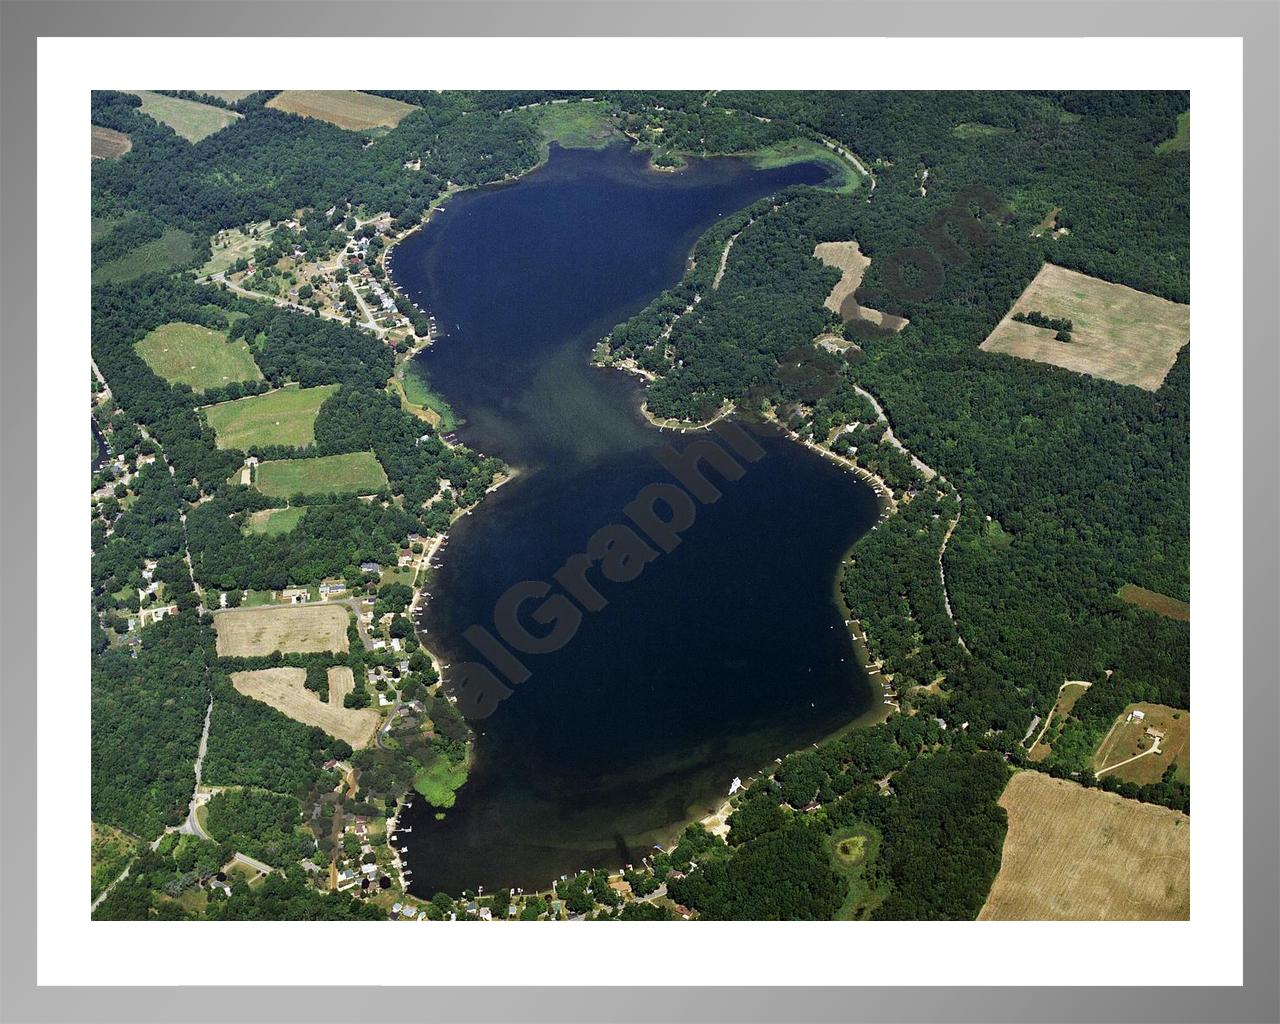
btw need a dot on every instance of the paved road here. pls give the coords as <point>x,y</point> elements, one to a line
<point>192,825</point>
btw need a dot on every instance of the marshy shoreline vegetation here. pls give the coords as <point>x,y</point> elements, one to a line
<point>921,787</point>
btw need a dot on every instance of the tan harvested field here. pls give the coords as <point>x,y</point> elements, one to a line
<point>1126,739</point>
<point>1161,604</point>
<point>109,144</point>
<point>847,257</point>
<point>285,690</point>
<point>1118,333</point>
<point>342,681</point>
<point>356,111</point>
<point>290,629</point>
<point>1076,854</point>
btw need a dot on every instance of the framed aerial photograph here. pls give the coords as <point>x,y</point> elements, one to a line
<point>659,481</point>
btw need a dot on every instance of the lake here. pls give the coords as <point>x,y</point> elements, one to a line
<point>723,654</point>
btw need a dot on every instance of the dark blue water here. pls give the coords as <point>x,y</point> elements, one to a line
<point>723,654</point>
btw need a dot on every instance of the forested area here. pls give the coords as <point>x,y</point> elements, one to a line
<point>1071,485</point>
<point>161,880</point>
<point>260,824</point>
<point>942,829</point>
<point>269,163</point>
<point>147,714</point>
<point>253,744</point>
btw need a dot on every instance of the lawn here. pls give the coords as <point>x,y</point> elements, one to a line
<point>352,473</point>
<point>355,111</point>
<point>175,248</point>
<point>1126,739</point>
<point>1181,140</point>
<point>1117,333</point>
<point>1161,604</point>
<point>274,521</point>
<point>189,354</point>
<point>193,121</point>
<point>585,124</point>
<point>1077,854</point>
<point>285,416</point>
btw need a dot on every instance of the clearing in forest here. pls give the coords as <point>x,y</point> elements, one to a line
<point>1128,751</point>
<point>1117,333</point>
<point>289,629</point>
<point>1161,604</point>
<point>1181,139</point>
<point>274,521</point>
<point>285,690</point>
<point>355,111</point>
<point>230,245</point>
<point>109,144</point>
<point>1077,854</point>
<point>847,257</point>
<point>285,416</point>
<point>351,473</point>
<point>193,121</point>
<point>1069,693</point>
<point>201,358</point>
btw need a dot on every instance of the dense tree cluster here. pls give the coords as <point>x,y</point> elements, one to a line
<point>253,744</point>
<point>258,823</point>
<point>330,541</point>
<point>942,830</point>
<point>147,715</point>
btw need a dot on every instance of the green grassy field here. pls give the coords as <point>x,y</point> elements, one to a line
<point>196,356</point>
<point>794,151</point>
<point>417,391</point>
<point>976,130</point>
<point>284,416</point>
<point>193,121</point>
<point>1181,141</point>
<point>175,248</point>
<point>581,125</point>
<point>353,473</point>
<point>274,521</point>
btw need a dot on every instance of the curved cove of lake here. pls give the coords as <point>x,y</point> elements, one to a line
<point>723,654</point>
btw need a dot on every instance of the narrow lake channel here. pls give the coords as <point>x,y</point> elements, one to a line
<point>723,654</point>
